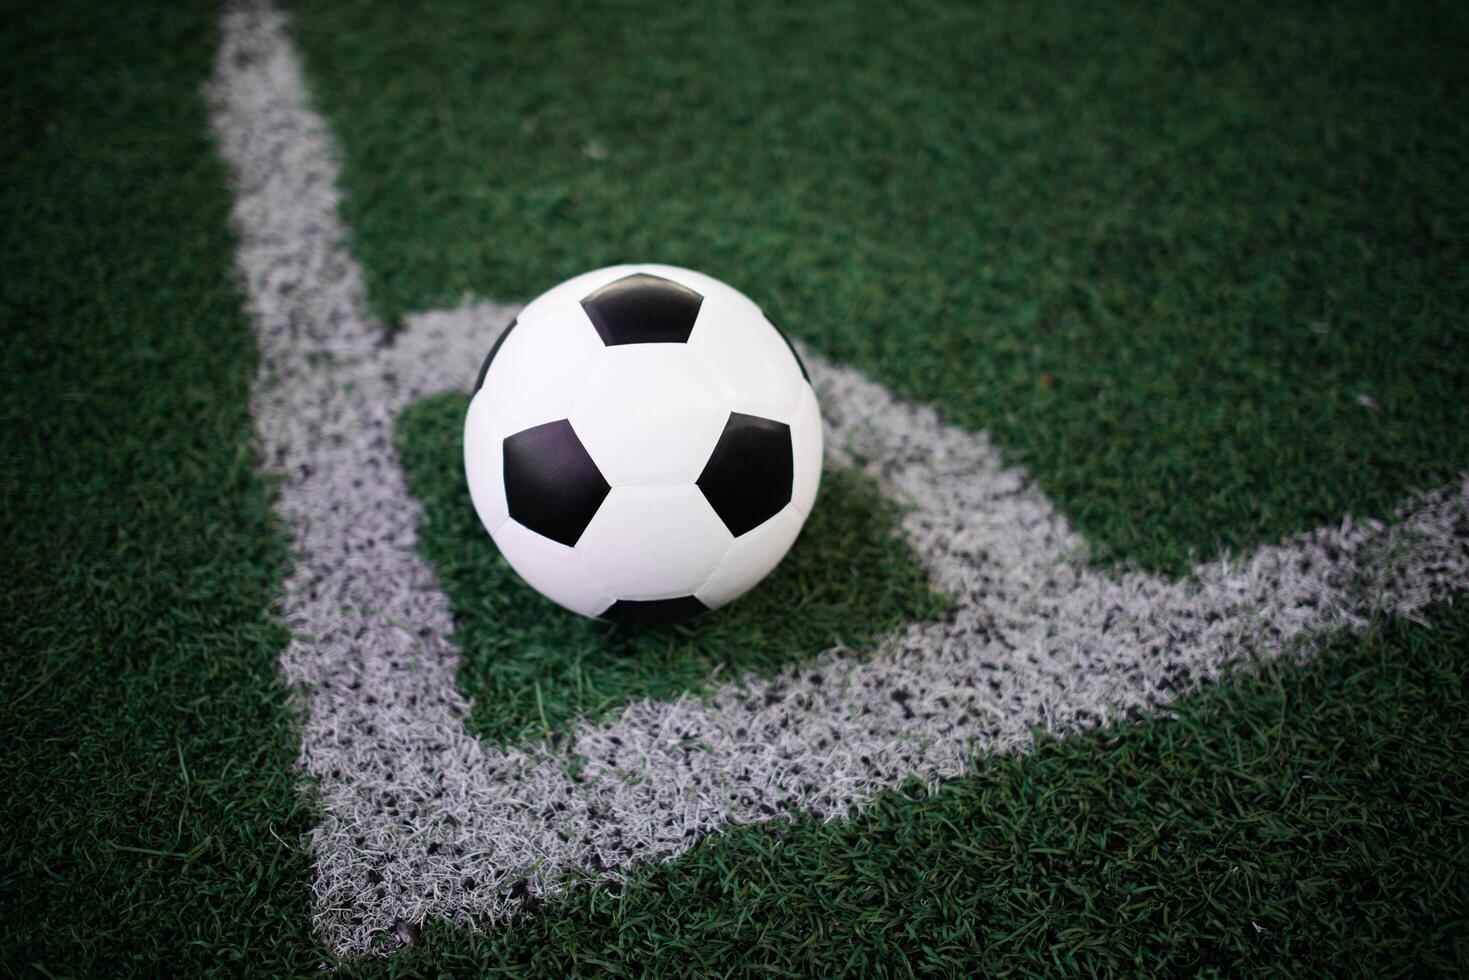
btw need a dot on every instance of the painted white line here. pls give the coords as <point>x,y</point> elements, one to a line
<point>421,820</point>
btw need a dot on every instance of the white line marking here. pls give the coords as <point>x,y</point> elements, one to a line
<point>421,820</point>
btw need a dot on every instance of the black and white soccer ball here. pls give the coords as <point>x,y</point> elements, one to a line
<point>643,444</point>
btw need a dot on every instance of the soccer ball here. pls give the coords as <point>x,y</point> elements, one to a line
<point>643,444</point>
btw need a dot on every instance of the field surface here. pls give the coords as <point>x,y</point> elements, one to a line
<point>1137,314</point>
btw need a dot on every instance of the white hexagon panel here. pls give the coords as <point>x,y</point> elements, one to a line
<point>484,464</point>
<point>649,415</point>
<point>643,444</point>
<point>655,542</point>
<point>751,557</point>
<point>749,360</point>
<point>538,369</point>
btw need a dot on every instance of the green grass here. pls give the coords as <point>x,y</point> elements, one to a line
<point>532,668</point>
<point>1312,820</point>
<point>1307,822</point>
<point>1160,250</point>
<point>149,820</point>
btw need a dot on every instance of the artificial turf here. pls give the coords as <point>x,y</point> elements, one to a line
<point>151,818</point>
<point>1310,820</point>
<point>532,668</point>
<point>1198,266</point>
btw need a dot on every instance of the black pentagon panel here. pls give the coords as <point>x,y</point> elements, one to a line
<point>551,483</point>
<point>484,368</point>
<point>643,309</point>
<point>647,612</point>
<point>749,475</point>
